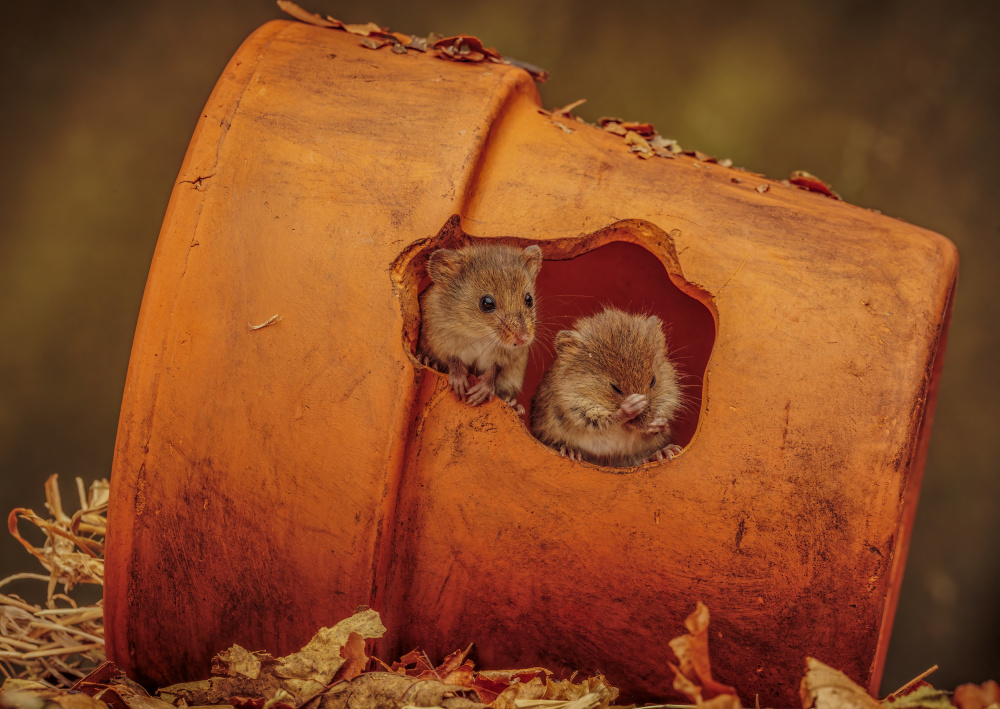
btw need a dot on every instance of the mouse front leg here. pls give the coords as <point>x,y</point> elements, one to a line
<point>458,376</point>
<point>484,389</point>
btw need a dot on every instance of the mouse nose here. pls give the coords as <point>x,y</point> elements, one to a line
<point>522,338</point>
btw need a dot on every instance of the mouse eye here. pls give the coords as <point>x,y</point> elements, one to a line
<point>652,383</point>
<point>487,304</point>
<point>616,389</point>
<point>528,300</point>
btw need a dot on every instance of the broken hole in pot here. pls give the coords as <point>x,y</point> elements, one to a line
<point>580,277</point>
<point>628,277</point>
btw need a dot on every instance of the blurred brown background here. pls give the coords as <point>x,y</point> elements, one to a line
<point>897,104</point>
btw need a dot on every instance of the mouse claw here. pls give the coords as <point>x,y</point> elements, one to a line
<point>512,402</point>
<point>668,453</point>
<point>478,394</point>
<point>570,453</point>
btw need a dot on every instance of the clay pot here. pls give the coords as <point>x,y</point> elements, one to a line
<point>268,481</point>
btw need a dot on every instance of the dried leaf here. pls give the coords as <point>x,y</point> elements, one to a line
<point>762,188</point>
<point>692,652</point>
<point>826,688</point>
<point>658,141</point>
<point>639,144</point>
<point>355,658</point>
<point>973,696</point>
<point>374,42</point>
<point>646,130</point>
<point>615,128</point>
<point>305,16</point>
<point>535,689</point>
<point>924,697</point>
<point>812,183</point>
<point>320,659</point>
<point>364,30</point>
<point>137,701</point>
<point>387,689</point>
<point>463,46</point>
<point>234,662</point>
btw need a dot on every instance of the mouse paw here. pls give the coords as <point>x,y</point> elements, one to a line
<point>657,425</point>
<point>633,405</point>
<point>478,394</point>
<point>570,453</point>
<point>668,453</point>
<point>459,384</point>
<point>516,406</point>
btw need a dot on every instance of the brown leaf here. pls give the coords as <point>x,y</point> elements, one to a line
<point>615,128</point>
<point>812,183</point>
<point>320,659</point>
<point>692,652</point>
<point>453,661</point>
<point>236,661</point>
<point>416,658</point>
<point>639,144</point>
<point>826,688</point>
<point>366,29</point>
<point>535,689</point>
<point>973,696</point>
<point>646,130</point>
<point>355,658</point>
<point>762,188</point>
<point>389,690</point>
<point>27,693</point>
<point>305,16</point>
<point>139,702</point>
<point>374,42</point>
<point>460,47</point>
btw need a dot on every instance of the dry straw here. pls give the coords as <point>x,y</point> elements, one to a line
<point>63,641</point>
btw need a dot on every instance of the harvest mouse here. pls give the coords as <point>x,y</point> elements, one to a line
<point>479,318</point>
<point>611,392</point>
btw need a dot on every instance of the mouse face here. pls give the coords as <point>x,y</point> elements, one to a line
<point>489,290</point>
<point>614,354</point>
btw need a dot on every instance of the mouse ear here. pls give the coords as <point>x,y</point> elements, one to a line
<point>444,264</point>
<point>568,341</point>
<point>532,257</point>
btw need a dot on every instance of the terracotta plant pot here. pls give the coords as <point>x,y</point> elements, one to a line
<point>268,481</point>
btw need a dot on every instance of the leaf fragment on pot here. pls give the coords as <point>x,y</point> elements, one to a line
<point>693,675</point>
<point>812,183</point>
<point>823,687</point>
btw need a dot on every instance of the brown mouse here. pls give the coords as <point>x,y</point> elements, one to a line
<point>611,392</point>
<point>478,317</point>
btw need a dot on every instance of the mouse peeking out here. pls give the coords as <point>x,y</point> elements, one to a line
<point>611,393</point>
<point>478,318</point>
